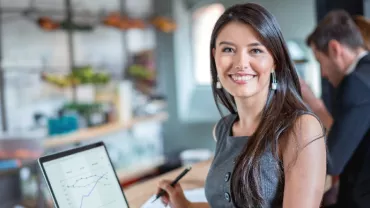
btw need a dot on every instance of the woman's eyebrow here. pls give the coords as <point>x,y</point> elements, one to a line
<point>255,44</point>
<point>226,43</point>
<point>230,43</point>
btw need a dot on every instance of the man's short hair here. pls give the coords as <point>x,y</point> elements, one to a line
<point>337,25</point>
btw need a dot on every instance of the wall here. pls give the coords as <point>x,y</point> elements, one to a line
<point>28,50</point>
<point>173,52</point>
<point>296,17</point>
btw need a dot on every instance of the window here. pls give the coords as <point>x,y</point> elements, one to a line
<point>204,20</point>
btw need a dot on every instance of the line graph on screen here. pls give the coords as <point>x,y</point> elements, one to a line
<point>87,190</point>
<point>85,180</point>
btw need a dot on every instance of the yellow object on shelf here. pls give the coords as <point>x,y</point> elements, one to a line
<point>164,24</point>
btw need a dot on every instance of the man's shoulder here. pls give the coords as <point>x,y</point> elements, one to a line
<point>355,88</point>
<point>362,71</point>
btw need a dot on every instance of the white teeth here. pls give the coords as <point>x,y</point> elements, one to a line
<point>242,78</point>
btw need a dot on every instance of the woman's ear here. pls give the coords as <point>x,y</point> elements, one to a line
<point>213,52</point>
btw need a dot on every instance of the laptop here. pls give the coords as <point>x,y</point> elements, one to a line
<point>83,177</point>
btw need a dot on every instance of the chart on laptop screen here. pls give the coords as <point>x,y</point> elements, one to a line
<point>85,180</point>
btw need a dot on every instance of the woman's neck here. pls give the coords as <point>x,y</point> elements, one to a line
<point>250,111</point>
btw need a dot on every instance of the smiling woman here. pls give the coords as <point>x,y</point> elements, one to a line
<point>270,149</point>
<point>243,63</point>
<point>254,78</point>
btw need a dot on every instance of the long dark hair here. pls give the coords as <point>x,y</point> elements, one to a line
<point>282,109</point>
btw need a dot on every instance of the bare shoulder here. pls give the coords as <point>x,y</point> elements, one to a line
<point>308,129</point>
<point>306,140</point>
<point>304,159</point>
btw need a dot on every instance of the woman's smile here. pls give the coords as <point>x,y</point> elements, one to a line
<point>242,60</point>
<point>242,78</point>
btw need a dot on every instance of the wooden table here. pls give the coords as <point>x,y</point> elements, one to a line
<point>138,194</point>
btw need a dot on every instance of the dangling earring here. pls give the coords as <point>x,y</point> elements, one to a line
<point>218,84</point>
<point>274,82</point>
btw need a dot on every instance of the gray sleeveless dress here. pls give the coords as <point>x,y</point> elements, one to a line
<point>228,147</point>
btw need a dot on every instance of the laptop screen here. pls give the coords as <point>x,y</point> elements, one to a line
<point>85,179</point>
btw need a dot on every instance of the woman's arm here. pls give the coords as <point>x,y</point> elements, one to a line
<point>304,159</point>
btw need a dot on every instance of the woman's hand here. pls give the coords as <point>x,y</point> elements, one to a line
<point>174,196</point>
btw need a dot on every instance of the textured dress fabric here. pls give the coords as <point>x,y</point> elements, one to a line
<point>228,148</point>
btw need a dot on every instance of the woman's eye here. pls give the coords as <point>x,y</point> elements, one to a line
<point>256,51</point>
<point>227,50</point>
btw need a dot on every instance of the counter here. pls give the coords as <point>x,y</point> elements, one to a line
<point>138,194</point>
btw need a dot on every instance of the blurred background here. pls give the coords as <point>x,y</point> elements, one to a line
<point>132,73</point>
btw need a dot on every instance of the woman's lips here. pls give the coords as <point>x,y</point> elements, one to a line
<point>242,79</point>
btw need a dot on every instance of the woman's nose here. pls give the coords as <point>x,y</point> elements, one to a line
<point>242,60</point>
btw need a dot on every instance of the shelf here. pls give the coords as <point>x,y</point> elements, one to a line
<point>94,132</point>
<point>139,170</point>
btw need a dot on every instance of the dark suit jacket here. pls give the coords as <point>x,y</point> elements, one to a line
<point>349,138</point>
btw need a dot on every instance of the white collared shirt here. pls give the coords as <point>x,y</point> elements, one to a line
<point>352,67</point>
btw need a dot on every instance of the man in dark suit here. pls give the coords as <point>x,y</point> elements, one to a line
<point>339,48</point>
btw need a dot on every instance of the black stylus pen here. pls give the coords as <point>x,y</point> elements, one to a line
<point>182,174</point>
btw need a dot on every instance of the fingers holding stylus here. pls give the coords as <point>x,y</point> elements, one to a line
<point>164,185</point>
<point>174,194</point>
<point>170,191</point>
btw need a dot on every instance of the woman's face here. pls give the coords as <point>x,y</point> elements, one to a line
<point>243,63</point>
